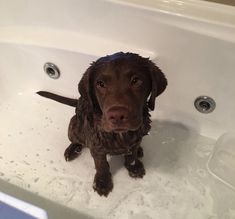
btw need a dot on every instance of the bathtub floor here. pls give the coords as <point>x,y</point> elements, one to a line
<point>33,137</point>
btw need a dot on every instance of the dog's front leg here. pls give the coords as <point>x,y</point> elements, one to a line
<point>134,166</point>
<point>103,183</point>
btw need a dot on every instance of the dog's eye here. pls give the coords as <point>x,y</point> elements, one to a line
<point>100,83</point>
<point>136,81</point>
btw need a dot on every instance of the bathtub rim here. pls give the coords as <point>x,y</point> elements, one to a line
<point>205,11</point>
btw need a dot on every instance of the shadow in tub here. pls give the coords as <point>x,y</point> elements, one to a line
<point>164,147</point>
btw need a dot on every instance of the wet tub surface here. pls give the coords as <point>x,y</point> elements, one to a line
<point>176,185</point>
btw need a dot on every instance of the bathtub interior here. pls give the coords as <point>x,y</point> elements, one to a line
<point>182,180</point>
<point>177,180</point>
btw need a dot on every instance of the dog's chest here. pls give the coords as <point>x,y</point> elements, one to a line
<point>115,144</point>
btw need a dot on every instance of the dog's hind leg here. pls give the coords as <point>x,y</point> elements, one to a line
<point>74,134</point>
<point>72,151</point>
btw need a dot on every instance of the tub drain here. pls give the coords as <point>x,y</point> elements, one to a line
<point>52,70</point>
<point>204,104</point>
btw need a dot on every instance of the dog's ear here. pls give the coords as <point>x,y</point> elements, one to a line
<point>159,83</point>
<point>84,85</point>
<point>86,89</point>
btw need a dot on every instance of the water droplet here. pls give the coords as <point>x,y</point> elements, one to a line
<point>168,140</point>
<point>36,179</point>
<point>26,163</point>
<point>201,173</point>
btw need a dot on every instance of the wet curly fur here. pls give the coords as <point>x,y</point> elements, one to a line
<point>112,114</point>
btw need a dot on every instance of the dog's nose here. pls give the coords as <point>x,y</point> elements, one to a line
<point>117,115</point>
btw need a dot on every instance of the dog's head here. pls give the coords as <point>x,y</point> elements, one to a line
<point>119,86</point>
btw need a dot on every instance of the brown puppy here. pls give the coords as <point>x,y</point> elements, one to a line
<point>112,114</point>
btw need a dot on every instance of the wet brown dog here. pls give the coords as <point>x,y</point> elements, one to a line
<point>112,114</point>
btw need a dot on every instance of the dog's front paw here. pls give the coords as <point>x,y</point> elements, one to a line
<point>72,151</point>
<point>103,184</point>
<point>136,169</point>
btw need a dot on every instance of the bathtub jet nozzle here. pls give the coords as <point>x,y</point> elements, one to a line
<point>51,70</point>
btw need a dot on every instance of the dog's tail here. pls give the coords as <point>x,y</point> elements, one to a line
<point>58,98</point>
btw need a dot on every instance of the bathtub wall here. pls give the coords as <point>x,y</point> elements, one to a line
<point>226,2</point>
<point>197,53</point>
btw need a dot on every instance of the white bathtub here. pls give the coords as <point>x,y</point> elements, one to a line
<point>194,44</point>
